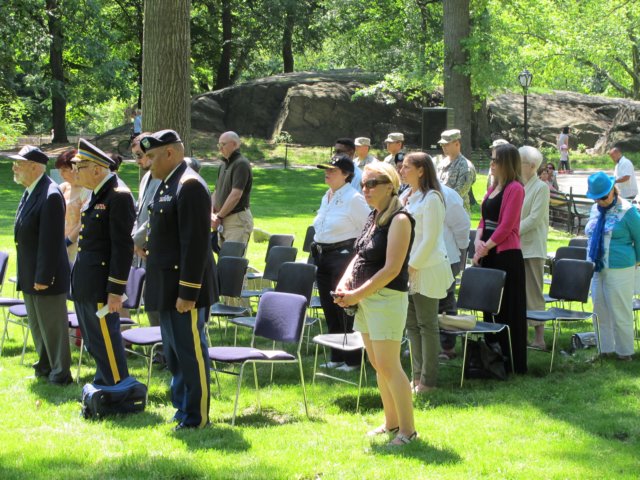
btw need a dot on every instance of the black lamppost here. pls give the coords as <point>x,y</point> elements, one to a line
<point>525,78</point>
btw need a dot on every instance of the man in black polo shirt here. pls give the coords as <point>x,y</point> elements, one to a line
<point>232,194</point>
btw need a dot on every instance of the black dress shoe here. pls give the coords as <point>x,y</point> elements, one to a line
<point>63,381</point>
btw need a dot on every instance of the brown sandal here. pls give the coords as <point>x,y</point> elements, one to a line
<point>403,439</point>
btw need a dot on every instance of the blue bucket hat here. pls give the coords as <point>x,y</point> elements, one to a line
<point>600,184</point>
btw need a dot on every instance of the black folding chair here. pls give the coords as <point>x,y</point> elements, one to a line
<point>481,291</point>
<point>570,283</point>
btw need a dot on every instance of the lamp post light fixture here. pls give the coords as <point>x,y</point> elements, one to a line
<point>525,78</point>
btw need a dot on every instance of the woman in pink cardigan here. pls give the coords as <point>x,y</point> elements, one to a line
<point>498,246</point>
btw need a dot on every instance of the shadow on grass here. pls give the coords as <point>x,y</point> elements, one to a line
<point>420,450</point>
<point>134,465</point>
<point>213,437</point>
<point>369,402</point>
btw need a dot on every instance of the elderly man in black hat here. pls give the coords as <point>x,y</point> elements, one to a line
<point>180,273</point>
<point>43,269</point>
<point>105,252</point>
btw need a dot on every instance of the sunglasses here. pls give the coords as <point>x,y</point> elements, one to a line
<point>602,199</point>
<point>369,184</point>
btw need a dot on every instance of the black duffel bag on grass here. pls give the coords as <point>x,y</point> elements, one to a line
<point>484,361</point>
<point>128,396</point>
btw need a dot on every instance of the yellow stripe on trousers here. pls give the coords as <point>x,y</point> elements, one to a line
<point>109,347</point>
<point>203,378</point>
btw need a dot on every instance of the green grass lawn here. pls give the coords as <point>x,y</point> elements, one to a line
<point>581,421</point>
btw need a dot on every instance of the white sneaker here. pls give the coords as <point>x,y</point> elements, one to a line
<point>348,368</point>
<point>331,364</point>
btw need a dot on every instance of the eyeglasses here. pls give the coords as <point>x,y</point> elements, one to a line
<point>222,144</point>
<point>369,184</point>
<point>77,168</point>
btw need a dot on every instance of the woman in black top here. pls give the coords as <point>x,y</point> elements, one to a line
<point>376,281</point>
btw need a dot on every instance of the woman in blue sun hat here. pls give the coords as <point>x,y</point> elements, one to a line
<point>613,230</point>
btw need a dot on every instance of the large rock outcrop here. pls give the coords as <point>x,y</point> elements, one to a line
<point>596,122</point>
<point>314,108</point>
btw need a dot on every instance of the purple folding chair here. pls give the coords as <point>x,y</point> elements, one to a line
<point>280,318</point>
<point>7,302</point>
<point>149,338</point>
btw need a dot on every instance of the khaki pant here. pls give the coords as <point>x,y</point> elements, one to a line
<point>237,227</point>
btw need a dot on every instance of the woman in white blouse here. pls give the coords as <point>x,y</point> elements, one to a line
<point>429,270</point>
<point>340,219</point>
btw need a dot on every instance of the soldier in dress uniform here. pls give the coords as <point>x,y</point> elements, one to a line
<point>180,273</point>
<point>105,252</point>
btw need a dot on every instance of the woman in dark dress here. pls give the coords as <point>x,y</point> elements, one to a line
<point>498,246</point>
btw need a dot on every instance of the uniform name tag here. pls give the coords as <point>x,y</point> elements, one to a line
<point>100,206</point>
<point>165,198</point>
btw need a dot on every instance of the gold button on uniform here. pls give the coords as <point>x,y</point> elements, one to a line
<point>103,264</point>
<point>79,249</point>
<point>175,267</point>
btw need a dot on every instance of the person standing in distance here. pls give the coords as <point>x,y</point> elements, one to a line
<point>180,274</point>
<point>43,268</point>
<point>231,199</point>
<point>146,192</point>
<point>624,175</point>
<point>101,271</point>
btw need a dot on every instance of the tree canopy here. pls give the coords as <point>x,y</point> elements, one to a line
<point>591,46</point>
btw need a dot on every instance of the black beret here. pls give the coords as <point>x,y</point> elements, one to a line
<point>159,139</point>
<point>31,153</point>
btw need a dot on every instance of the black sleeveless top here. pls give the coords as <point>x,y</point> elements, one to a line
<point>491,214</point>
<point>371,254</point>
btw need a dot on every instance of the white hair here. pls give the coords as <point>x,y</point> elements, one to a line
<point>233,136</point>
<point>530,155</point>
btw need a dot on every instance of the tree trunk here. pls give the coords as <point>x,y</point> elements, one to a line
<point>223,77</point>
<point>166,72</point>
<point>58,93</point>
<point>139,10</point>
<point>457,83</point>
<point>287,42</point>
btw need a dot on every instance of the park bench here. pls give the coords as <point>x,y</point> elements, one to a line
<point>580,210</point>
<point>569,211</point>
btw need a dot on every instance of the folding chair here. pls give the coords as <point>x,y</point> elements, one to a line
<point>274,241</point>
<point>579,242</point>
<point>280,318</point>
<point>276,257</point>
<point>134,289</point>
<point>231,271</point>
<point>570,252</point>
<point>149,339</point>
<point>308,240</point>
<point>481,291</point>
<point>6,302</point>
<point>570,283</point>
<point>293,277</point>
<point>347,342</point>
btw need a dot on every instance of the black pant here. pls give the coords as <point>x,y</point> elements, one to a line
<point>331,265</point>
<point>103,341</point>
<point>513,310</point>
<point>186,351</point>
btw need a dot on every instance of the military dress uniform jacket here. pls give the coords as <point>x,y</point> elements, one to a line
<point>105,246</point>
<point>180,261</point>
<point>39,240</point>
